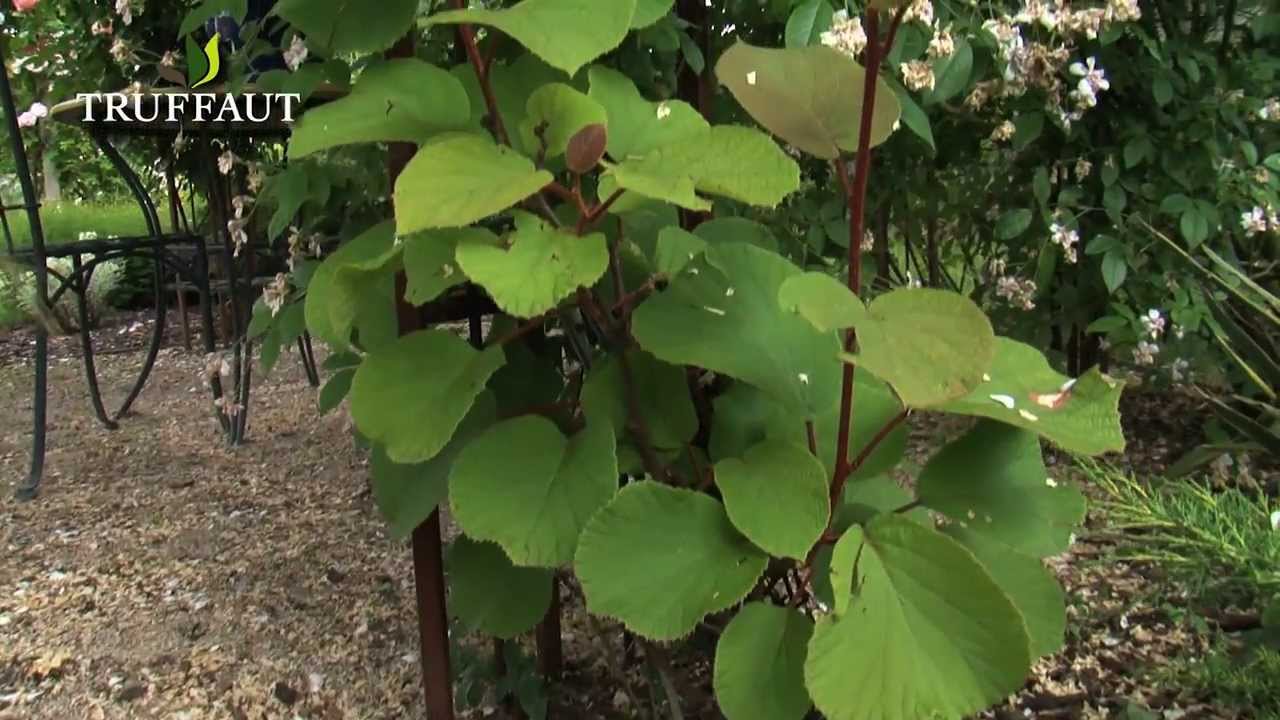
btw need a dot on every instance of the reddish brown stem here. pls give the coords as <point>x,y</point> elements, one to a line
<point>812,433</point>
<point>880,437</point>
<point>468,36</point>
<point>856,195</point>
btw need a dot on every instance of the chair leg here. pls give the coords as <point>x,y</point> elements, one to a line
<point>181,299</point>
<point>157,339</point>
<point>244,386</point>
<point>81,289</point>
<point>308,354</point>
<point>39,412</point>
<point>200,270</point>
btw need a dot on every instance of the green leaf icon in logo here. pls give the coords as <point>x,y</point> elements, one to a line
<point>203,64</point>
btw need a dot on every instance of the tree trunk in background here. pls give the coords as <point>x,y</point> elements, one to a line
<point>52,182</point>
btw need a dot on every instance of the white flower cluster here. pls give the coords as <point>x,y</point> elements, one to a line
<point>1018,292</point>
<point>846,34</point>
<point>942,44</point>
<point>275,294</point>
<point>1180,370</point>
<point>1259,221</point>
<point>1153,323</point>
<point>1067,239</point>
<point>300,246</point>
<point>1145,353</point>
<point>124,8</point>
<point>917,75</point>
<point>920,11</point>
<point>1270,111</point>
<point>1093,80</point>
<point>1004,132</point>
<point>296,54</point>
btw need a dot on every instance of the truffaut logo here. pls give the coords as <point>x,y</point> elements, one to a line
<point>178,105</point>
<point>203,66</point>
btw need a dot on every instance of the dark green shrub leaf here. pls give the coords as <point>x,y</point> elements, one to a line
<point>929,632</point>
<point>822,300</point>
<point>336,390</point>
<point>408,494</point>
<point>637,126</point>
<point>1027,582</point>
<point>993,481</point>
<point>704,319</point>
<point>1023,390</point>
<point>776,495</point>
<point>459,178</point>
<point>731,161</point>
<point>685,560</point>
<point>399,100</point>
<point>661,392</point>
<point>346,27</point>
<point>1013,223</point>
<point>566,33</point>
<point>490,595</point>
<point>343,296</point>
<point>539,266</point>
<point>525,486</point>
<point>808,21</point>
<point>430,260</point>
<point>759,667</point>
<point>413,413</point>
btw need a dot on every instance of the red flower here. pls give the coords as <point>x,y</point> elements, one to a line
<point>25,5</point>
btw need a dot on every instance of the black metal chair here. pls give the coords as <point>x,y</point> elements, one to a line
<point>181,253</point>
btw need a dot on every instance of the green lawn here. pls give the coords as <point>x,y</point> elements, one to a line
<point>63,222</point>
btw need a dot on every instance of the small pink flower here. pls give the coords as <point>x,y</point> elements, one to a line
<point>25,5</point>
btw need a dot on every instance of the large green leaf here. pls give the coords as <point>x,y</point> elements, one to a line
<point>410,396</point>
<point>660,559</point>
<point>745,415</point>
<point>776,494</point>
<point>400,100</point>
<point>459,178</point>
<point>993,481</point>
<point>810,97</point>
<point>649,12</point>
<point>1023,390</point>
<point>558,111</point>
<point>759,668</point>
<point>722,314</point>
<point>676,248</point>
<point>489,594</point>
<point>637,126</point>
<point>730,161</point>
<point>512,83</point>
<point>930,345</point>
<point>408,494</point>
<point>430,264</point>
<point>928,632</point>
<point>347,26</point>
<point>566,33</point>
<point>1027,582</point>
<point>525,486</point>
<point>661,394</point>
<point>822,300</point>
<point>348,292</point>
<point>539,266</point>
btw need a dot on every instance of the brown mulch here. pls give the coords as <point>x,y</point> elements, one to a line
<point>163,574</point>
